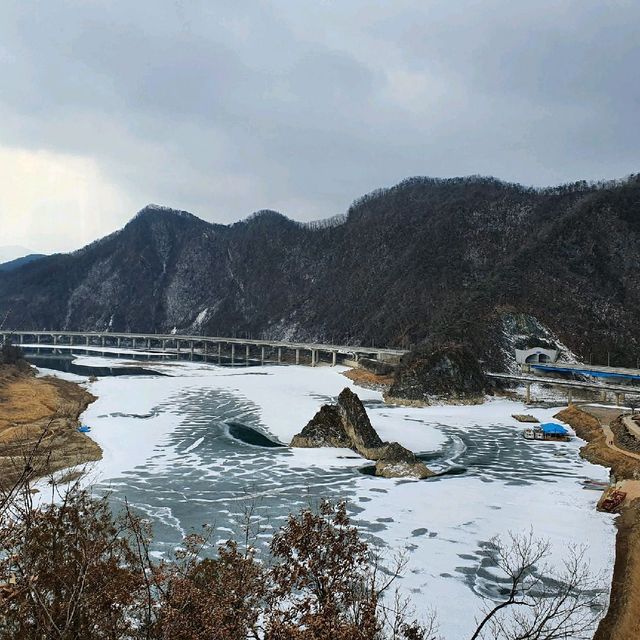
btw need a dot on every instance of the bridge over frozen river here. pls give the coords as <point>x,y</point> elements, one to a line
<point>619,391</point>
<point>236,349</point>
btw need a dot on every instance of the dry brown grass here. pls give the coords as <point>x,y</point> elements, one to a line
<point>368,379</point>
<point>41,412</point>
<point>587,425</point>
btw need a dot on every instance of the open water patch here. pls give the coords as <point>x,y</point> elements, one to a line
<point>251,436</point>
<point>68,365</point>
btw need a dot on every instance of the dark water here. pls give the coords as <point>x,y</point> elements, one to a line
<point>67,364</point>
<point>251,436</point>
<point>63,360</point>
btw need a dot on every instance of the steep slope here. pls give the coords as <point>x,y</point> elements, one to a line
<point>427,260</point>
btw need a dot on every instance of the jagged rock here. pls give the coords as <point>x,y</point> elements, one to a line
<point>325,429</point>
<point>398,462</point>
<point>449,372</point>
<point>363,437</point>
<point>347,424</point>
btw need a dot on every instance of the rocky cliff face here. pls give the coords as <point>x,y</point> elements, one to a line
<point>347,425</point>
<point>427,260</point>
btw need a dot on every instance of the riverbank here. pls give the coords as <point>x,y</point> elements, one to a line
<point>593,424</point>
<point>39,417</point>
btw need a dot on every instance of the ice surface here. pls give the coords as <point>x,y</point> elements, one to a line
<point>155,431</point>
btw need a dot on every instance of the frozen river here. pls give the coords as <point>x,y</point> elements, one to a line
<point>183,449</point>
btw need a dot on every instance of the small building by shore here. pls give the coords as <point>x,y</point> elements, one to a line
<point>548,431</point>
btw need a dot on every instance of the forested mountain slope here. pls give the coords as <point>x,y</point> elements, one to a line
<point>463,259</point>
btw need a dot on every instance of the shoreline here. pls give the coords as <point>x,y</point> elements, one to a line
<point>622,619</point>
<point>39,417</point>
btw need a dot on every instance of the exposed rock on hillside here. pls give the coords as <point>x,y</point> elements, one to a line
<point>347,425</point>
<point>451,372</point>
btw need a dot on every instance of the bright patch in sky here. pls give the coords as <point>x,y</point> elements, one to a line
<point>56,202</point>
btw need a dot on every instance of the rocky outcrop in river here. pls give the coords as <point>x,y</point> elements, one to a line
<point>347,425</point>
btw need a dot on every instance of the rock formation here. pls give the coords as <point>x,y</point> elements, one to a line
<point>450,372</point>
<point>347,425</point>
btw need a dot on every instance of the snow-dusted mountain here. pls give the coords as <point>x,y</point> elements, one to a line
<point>436,260</point>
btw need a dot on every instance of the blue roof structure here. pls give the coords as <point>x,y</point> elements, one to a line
<point>553,428</point>
<point>587,372</point>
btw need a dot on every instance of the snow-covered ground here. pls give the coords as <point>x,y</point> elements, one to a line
<point>165,448</point>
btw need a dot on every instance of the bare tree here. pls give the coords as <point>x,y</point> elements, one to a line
<point>541,602</point>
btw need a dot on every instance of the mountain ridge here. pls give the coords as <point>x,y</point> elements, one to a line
<point>425,260</point>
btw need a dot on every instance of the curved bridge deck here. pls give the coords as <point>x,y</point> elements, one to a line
<point>237,349</point>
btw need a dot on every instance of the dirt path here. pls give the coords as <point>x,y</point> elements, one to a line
<point>38,422</point>
<point>610,440</point>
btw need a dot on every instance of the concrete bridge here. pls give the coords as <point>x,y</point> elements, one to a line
<point>236,349</point>
<point>619,391</point>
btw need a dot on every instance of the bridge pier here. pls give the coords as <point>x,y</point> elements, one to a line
<point>233,352</point>
<point>569,397</point>
<point>279,354</point>
<point>297,356</point>
<point>219,352</point>
<point>246,353</point>
<point>527,395</point>
<point>334,356</point>
<point>102,341</point>
<point>148,343</point>
<point>314,356</point>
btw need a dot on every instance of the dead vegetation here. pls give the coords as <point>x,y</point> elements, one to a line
<point>622,621</point>
<point>44,411</point>
<point>587,425</point>
<point>369,380</point>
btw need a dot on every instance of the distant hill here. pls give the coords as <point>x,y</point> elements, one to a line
<point>463,259</point>
<point>11,252</point>
<point>18,262</point>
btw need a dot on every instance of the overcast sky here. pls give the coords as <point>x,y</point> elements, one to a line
<point>224,108</point>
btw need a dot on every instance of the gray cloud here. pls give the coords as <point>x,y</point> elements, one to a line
<point>223,108</point>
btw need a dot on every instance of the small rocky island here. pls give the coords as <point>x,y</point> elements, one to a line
<point>347,425</point>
